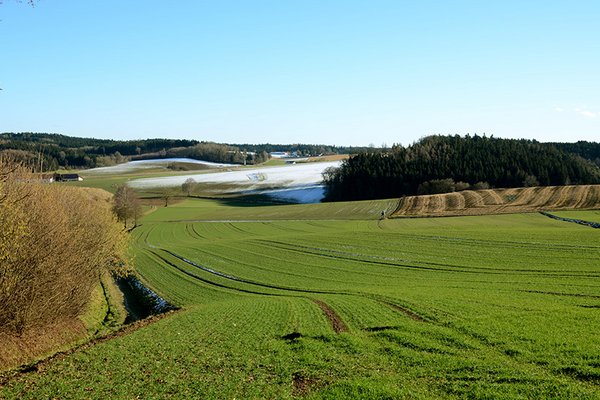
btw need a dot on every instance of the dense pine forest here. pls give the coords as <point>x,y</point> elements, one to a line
<point>587,150</point>
<point>438,164</point>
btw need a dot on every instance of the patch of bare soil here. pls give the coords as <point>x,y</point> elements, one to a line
<point>336,321</point>
<point>302,385</point>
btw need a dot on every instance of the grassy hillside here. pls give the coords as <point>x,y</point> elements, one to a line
<point>591,215</point>
<point>482,307</point>
<point>195,209</point>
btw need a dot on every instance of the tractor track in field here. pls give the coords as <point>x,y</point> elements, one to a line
<point>317,252</point>
<point>191,230</point>
<point>409,313</point>
<point>211,282</point>
<point>334,318</point>
<point>589,296</point>
<point>337,323</point>
<point>242,280</point>
<point>347,256</point>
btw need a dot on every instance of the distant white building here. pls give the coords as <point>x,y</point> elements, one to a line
<point>67,177</point>
<point>280,154</point>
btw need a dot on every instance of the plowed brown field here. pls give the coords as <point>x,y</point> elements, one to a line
<point>501,201</point>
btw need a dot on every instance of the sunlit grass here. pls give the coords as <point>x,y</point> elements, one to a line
<point>479,307</point>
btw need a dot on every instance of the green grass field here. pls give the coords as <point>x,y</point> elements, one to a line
<point>589,215</point>
<point>326,301</point>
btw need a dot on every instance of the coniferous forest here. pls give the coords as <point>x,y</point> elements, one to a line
<point>437,164</point>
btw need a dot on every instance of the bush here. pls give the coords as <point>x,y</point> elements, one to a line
<point>54,243</point>
<point>436,186</point>
<point>480,186</point>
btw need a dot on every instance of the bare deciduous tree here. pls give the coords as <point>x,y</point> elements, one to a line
<point>188,186</point>
<point>166,194</point>
<point>126,205</point>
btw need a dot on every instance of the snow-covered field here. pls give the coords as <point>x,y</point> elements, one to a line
<point>297,182</point>
<point>304,194</point>
<point>144,164</point>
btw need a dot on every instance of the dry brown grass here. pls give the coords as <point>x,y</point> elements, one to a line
<point>39,342</point>
<point>501,201</point>
<point>55,242</point>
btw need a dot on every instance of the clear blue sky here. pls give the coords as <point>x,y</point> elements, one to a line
<point>336,72</point>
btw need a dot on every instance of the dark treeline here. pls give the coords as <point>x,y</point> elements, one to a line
<point>446,163</point>
<point>214,152</point>
<point>307,150</point>
<point>587,150</point>
<point>49,152</point>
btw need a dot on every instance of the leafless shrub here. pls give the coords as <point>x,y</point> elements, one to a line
<point>54,242</point>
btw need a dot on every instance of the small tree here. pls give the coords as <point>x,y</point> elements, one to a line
<point>530,181</point>
<point>126,205</point>
<point>480,186</point>
<point>166,194</point>
<point>188,186</point>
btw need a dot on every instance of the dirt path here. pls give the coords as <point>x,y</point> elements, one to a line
<point>336,321</point>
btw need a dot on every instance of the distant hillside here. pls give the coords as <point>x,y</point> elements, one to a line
<point>501,201</point>
<point>51,151</point>
<point>439,164</point>
<point>308,150</point>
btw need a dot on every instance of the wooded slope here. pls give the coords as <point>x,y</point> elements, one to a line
<point>438,164</point>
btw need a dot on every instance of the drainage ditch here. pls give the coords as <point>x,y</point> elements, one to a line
<point>140,301</point>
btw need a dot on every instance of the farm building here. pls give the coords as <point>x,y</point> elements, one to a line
<point>279,154</point>
<point>67,177</point>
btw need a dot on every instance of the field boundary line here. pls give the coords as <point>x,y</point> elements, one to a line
<point>591,224</point>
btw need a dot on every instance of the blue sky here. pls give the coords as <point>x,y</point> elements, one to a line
<point>335,72</point>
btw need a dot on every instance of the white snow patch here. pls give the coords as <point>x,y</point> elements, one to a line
<point>289,176</point>
<point>305,195</point>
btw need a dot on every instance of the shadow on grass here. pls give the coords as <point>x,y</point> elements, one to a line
<point>251,200</point>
